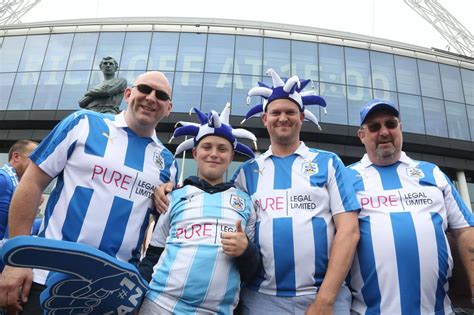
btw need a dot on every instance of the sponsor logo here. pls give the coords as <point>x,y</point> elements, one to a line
<point>237,202</point>
<point>397,201</point>
<point>111,177</point>
<point>415,172</point>
<point>202,232</point>
<point>309,168</point>
<point>123,181</point>
<point>144,188</point>
<point>282,203</point>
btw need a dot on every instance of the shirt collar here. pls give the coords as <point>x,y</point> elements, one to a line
<point>403,159</point>
<point>302,151</point>
<point>120,122</point>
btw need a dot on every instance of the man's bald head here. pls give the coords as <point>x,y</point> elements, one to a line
<point>155,79</point>
<point>149,101</point>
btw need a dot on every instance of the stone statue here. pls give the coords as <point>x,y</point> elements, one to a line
<point>107,95</point>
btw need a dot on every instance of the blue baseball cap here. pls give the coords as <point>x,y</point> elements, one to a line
<point>376,104</point>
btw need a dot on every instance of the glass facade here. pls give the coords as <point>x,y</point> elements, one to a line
<point>53,71</point>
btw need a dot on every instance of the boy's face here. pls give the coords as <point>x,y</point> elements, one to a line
<point>213,155</point>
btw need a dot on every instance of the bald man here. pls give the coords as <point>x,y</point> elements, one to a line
<point>107,167</point>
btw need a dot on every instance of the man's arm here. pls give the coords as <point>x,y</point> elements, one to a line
<point>340,260</point>
<point>23,209</point>
<point>465,242</point>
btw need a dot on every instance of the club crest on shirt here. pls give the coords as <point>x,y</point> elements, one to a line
<point>415,172</point>
<point>159,161</point>
<point>237,202</point>
<point>309,168</point>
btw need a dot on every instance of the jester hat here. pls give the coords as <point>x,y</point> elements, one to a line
<point>212,124</point>
<point>289,89</point>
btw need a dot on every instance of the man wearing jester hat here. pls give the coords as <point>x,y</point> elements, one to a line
<point>199,249</point>
<point>307,228</point>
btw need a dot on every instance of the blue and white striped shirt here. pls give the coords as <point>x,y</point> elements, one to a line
<point>106,175</point>
<point>295,198</point>
<point>403,259</point>
<point>193,275</point>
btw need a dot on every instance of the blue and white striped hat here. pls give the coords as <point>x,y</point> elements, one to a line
<point>212,124</point>
<point>290,89</point>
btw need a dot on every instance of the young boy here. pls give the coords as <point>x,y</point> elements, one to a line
<point>200,241</point>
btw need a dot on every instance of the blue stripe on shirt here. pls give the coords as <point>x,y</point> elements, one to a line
<point>136,147</point>
<point>443,265</point>
<point>116,225</point>
<point>260,275</point>
<point>194,292</point>
<point>55,137</point>
<point>76,213</point>
<point>283,169</point>
<point>408,262</point>
<point>344,186</point>
<point>52,201</point>
<point>466,213</point>
<point>71,149</point>
<point>212,206</point>
<point>165,174</point>
<point>321,249</point>
<point>232,289</point>
<point>252,175</point>
<point>321,177</point>
<point>389,176</point>
<point>365,252</point>
<point>163,272</point>
<point>356,179</point>
<point>428,179</point>
<point>283,251</point>
<point>177,211</point>
<point>98,137</point>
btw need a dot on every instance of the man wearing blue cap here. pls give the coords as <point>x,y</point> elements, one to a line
<point>403,259</point>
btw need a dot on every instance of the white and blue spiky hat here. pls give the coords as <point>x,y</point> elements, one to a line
<point>213,124</point>
<point>289,89</point>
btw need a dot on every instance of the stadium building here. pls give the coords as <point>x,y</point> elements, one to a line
<point>46,67</point>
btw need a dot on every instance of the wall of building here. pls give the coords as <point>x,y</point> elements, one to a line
<point>44,70</point>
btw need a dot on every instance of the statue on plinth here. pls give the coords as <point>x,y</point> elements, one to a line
<point>107,95</point>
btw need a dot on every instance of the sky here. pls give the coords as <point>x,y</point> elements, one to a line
<point>388,19</point>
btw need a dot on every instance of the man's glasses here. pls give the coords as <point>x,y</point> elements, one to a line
<point>145,89</point>
<point>389,124</point>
